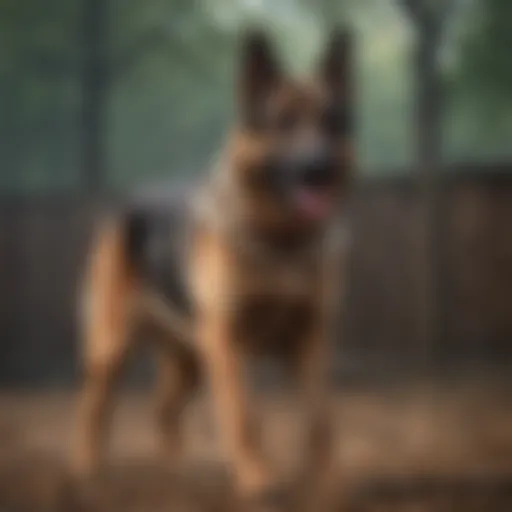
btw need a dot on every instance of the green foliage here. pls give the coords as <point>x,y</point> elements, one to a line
<point>479,111</point>
<point>39,94</point>
<point>486,47</point>
<point>171,67</point>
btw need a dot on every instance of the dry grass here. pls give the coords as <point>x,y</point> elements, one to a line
<point>400,450</point>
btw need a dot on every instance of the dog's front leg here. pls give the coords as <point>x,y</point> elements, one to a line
<point>314,382</point>
<point>236,419</point>
<point>316,471</point>
<point>314,371</point>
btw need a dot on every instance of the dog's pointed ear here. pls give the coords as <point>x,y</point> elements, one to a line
<point>336,66</point>
<point>258,75</point>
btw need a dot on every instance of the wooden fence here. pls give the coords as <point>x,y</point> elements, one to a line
<point>43,243</point>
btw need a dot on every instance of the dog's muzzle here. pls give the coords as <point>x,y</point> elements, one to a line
<point>317,173</point>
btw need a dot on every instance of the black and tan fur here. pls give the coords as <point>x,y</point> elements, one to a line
<point>245,271</point>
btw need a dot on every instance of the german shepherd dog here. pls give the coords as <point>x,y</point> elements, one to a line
<point>248,263</point>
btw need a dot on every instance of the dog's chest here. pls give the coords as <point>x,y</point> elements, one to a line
<point>276,305</point>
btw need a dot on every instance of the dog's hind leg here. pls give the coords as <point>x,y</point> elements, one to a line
<point>108,322</point>
<point>178,377</point>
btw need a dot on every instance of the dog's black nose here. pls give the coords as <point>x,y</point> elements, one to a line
<point>318,173</point>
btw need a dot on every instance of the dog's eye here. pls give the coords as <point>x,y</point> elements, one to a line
<point>337,121</point>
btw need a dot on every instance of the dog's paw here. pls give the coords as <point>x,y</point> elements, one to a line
<point>273,499</point>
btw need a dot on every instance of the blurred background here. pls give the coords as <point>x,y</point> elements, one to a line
<point>100,96</point>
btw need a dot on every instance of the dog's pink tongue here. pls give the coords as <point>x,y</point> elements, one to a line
<point>313,203</point>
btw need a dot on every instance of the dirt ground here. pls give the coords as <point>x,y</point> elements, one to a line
<point>403,449</point>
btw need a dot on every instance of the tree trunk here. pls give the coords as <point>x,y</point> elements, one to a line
<point>94,94</point>
<point>428,147</point>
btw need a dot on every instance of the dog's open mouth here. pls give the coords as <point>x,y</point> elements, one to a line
<point>315,203</point>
